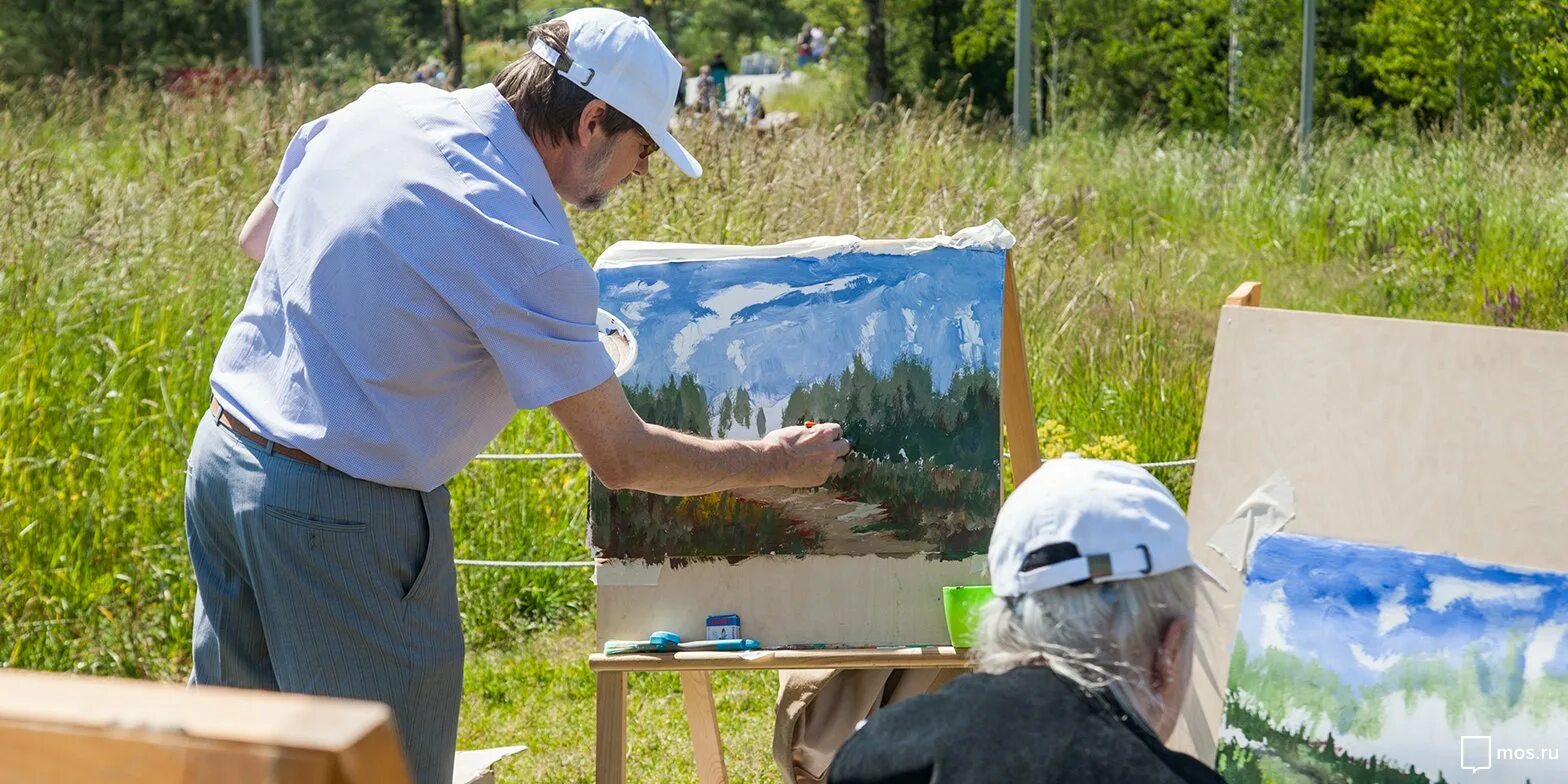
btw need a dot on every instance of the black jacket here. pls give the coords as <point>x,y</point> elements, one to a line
<point>1026,725</point>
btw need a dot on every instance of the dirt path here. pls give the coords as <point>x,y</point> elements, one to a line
<point>835,518</point>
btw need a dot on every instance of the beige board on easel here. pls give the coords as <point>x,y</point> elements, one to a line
<point>1439,438</point>
<point>852,600</point>
<point>57,728</point>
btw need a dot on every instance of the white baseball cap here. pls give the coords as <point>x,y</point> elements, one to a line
<point>1077,520</point>
<point>621,61</point>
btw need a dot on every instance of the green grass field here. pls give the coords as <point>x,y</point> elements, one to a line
<point>119,275</point>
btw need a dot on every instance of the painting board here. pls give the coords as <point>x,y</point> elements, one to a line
<point>1437,438</point>
<point>1354,662</point>
<point>883,336</point>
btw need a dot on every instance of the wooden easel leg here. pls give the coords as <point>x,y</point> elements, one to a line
<point>706,746</point>
<point>1017,407</point>
<point>610,732</point>
<point>1249,295</point>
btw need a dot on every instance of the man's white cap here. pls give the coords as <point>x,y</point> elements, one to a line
<point>1076,520</point>
<point>621,61</point>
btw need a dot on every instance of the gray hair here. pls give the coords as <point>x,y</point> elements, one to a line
<point>1089,634</point>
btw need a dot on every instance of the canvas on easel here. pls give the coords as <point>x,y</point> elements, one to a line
<point>1392,489</point>
<point>901,341</point>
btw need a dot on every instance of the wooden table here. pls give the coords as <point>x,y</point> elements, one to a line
<point>697,689</point>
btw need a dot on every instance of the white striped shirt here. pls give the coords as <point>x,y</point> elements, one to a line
<point>420,285</point>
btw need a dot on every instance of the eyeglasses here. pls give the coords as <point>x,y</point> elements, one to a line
<point>649,146</point>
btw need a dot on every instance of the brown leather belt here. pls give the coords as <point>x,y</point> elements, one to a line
<point>238,428</point>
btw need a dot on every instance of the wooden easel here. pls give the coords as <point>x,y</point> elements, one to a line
<point>695,667</point>
<point>1249,295</point>
<point>57,727</point>
<point>1430,437</point>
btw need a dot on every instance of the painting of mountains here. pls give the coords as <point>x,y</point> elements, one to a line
<point>904,350</point>
<point>1364,663</point>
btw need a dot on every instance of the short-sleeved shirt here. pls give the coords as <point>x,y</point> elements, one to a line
<point>420,285</point>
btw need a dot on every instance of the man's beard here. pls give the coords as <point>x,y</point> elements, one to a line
<point>597,162</point>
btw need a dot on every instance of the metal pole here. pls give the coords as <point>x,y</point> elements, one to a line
<point>1023,71</point>
<point>1233,82</point>
<point>1309,35</point>
<point>255,33</point>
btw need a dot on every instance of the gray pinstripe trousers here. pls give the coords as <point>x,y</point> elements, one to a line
<point>311,581</point>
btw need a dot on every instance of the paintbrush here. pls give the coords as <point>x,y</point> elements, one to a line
<point>664,642</point>
<point>659,642</point>
<point>720,645</point>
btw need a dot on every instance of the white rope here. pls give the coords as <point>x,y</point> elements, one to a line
<point>578,456</point>
<point>526,564</point>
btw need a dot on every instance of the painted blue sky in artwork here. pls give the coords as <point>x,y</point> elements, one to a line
<point>768,325</point>
<point>1358,609</point>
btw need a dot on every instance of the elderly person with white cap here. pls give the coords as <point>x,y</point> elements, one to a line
<point>419,284</point>
<point>1084,653</point>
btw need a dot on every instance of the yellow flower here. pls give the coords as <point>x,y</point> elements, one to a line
<point>1111,448</point>
<point>1055,439</point>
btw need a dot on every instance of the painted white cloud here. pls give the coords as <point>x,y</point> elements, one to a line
<point>1370,662</point>
<point>868,331</point>
<point>836,284</point>
<point>641,288</point>
<point>1446,590</point>
<point>727,302</point>
<point>969,343</point>
<point>690,337</point>
<point>909,331</point>
<point>634,312</point>
<point>1275,614</point>
<point>736,351</point>
<point>724,304</point>
<point>1542,649</point>
<point>1392,612</point>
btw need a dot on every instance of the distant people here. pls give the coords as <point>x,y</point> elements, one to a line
<point>719,72</point>
<point>1084,654</point>
<point>803,46</point>
<point>430,73</point>
<point>680,89</point>
<point>704,89</point>
<point>751,102</point>
<point>819,44</point>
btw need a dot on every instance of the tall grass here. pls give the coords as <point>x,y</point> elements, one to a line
<point>119,276</point>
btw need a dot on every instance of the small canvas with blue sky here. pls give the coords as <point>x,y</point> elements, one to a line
<point>1356,662</point>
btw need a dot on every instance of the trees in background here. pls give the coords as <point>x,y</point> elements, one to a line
<point>146,36</point>
<point>1380,62</point>
<point>1166,61</point>
<point>452,21</point>
<point>40,37</point>
<point>879,82</point>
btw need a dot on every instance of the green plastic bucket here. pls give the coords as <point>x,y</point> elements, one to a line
<point>961,604</point>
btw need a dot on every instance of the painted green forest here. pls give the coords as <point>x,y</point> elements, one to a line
<point>925,468</point>
<point>1273,683</point>
<point>1276,755</point>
